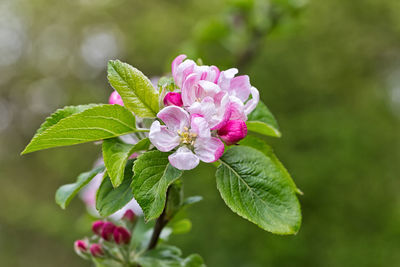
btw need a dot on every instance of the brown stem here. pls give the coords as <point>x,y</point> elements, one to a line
<point>160,224</point>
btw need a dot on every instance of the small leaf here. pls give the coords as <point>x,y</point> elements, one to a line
<point>152,175</point>
<point>262,121</point>
<point>116,154</point>
<point>67,192</point>
<point>169,256</point>
<point>256,188</point>
<point>260,145</point>
<point>95,123</point>
<point>136,90</point>
<point>181,227</point>
<point>110,199</point>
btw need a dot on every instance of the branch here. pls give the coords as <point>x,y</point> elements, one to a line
<point>160,224</point>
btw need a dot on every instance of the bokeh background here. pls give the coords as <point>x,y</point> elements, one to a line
<point>329,70</point>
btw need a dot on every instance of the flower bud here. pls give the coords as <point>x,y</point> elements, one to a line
<point>233,131</point>
<point>121,235</point>
<point>96,250</point>
<point>97,227</point>
<point>107,231</point>
<point>80,246</point>
<point>115,98</point>
<point>129,216</point>
<point>173,98</point>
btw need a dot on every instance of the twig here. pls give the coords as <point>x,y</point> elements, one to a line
<point>160,224</point>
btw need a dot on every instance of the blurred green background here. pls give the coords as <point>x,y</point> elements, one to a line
<point>329,71</point>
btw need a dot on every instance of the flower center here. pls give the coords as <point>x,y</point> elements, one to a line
<point>186,136</point>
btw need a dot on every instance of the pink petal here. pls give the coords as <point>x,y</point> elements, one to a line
<point>252,103</point>
<point>209,149</point>
<point>163,139</point>
<point>175,118</point>
<point>199,125</point>
<point>205,108</point>
<point>175,63</point>
<point>208,89</point>
<point>240,87</point>
<point>183,71</point>
<point>184,159</point>
<point>237,109</point>
<point>225,77</point>
<point>189,89</point>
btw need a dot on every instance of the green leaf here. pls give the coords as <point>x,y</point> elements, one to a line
<point>257,189</point>
<point>110,199</point>
<point>262,121</point>
<point>67,192</point>
<point>260,145</point>
<point>169,256</point>
<point>136,90</point>
<point>60,114</point>
<point>116,154</point>
<point>153,175</point>
<point>95,123</point>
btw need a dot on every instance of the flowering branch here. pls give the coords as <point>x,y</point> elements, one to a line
<point>198,114</point>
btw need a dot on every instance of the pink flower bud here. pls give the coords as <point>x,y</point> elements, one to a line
<point>97,227</point>
<point>129,216</point>
<point>107,231</point>
<point>96,250</point>
<point>121,235</point>
<point>80,246</point>
<point>233,131</point>
<point>115,98</point>
<point>173,98</point>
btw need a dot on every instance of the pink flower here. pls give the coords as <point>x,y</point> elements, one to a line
<point>115,98</point>
<point>207,99</point>
<point>173,98</point>
<point>191,134</point>
<point>121,235</point>
<point>233,131</point>
<point>96,250</point>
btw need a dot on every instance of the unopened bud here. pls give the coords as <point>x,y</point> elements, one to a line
<point>129,216</point>
<point>233,131</point>
<point>96,250</point>
<point>115,98</point>
<point>97,227</point>
<point>80,246</point>
<point>173,98</point>
<point>108,230</point>
<point>122,235</point>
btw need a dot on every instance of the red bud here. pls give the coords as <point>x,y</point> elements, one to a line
<point>233,131</point>
<point>122,235</point>
<point>97,227</point>
<point>108,230</point>
<point>129,216</point>
<point>80,246</point>
<point>173,98</point>
<point>96,250</point>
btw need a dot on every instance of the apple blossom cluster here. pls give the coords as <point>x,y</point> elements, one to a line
<point>207,110</point>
